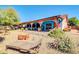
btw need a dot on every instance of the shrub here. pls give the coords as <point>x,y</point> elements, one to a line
<point>53,44</point>
<point>65,45</point>
<point>3,52</point>
<point>57,33</point>
<point>62,42</point>
<point>22,28</point>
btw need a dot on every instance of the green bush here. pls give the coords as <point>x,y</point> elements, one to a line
<point>3,52</point>
<point>64,42</point>
<point>57,33</point>
<point>65,45</point>
<point>22,28</point>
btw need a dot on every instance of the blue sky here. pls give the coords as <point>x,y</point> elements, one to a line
<point>34,12</point>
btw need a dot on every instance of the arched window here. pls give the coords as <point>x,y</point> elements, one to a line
<point>35,26</point>
<point>47,25</point>
<point>29,26</point>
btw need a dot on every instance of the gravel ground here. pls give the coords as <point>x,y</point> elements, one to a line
<point>34,35</point>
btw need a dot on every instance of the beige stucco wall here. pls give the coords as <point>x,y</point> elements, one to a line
<point>64,23</point>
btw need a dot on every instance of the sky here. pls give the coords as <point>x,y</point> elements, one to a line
<point>35,12</point>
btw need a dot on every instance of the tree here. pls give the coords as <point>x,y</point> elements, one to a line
<point>73,21</point>
<point>8,16</point>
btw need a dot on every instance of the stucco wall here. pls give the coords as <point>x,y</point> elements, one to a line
<point>53,18</point>
<point>64,22</point>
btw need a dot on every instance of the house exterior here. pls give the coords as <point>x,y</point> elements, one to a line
<point>46,24</point>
